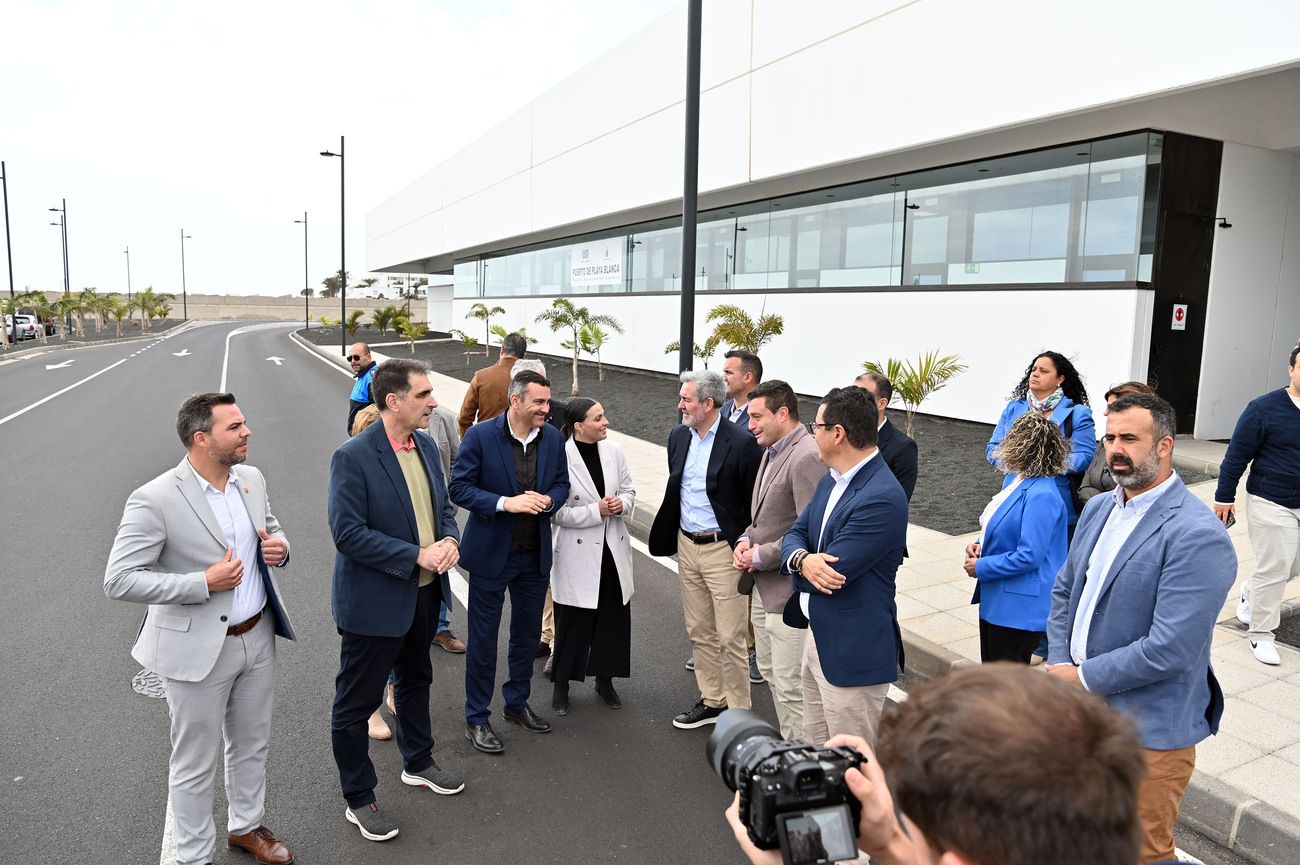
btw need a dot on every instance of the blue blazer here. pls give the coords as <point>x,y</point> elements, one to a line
<point>729,406</point>
<point>1148,649</point>
<point>484,472</point>
<point>1082,441</point>
<point>372,520</point>
<point>1024,547</point>
<point>855,627</point>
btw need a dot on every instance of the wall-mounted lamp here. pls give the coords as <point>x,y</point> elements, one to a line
<point>1223,222</point>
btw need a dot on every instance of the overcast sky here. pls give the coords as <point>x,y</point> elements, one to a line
<point>150,117</point>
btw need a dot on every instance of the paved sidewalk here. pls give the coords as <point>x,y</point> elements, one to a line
<point>1246,791</point>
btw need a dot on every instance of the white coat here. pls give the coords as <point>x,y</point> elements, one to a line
<point>579,529</point>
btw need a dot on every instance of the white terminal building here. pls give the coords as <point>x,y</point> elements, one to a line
<point>1116,181</point>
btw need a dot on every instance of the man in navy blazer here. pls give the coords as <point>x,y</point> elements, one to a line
<point>1134,607</point>
<point>843,552</point>
<point>510,473</point>
<point>742,371</point>
<point>896,446</point>
<point>396,537</point>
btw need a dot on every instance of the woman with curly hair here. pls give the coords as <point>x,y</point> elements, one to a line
<point>1022,542</point>
<point>1051,387</point>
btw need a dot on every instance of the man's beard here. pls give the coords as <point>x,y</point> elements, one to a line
<point>228,458</point>
<point>1137,477</point>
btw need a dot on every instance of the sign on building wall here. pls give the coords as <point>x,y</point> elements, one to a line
<point>597,263</point>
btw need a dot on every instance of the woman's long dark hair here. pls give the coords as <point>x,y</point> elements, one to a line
<point>1072,386</point>
<point>576,413</point>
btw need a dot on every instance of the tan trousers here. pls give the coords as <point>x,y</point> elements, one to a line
<point>548,620</point>
<point>1275,538</point>
<point>1159,797</point>
<point>779,649</point>
<point>717,619</point>
<point>829,710</point>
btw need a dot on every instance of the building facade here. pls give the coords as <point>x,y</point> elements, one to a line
<point>1119,183</point>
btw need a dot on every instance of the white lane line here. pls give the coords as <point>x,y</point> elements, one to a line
<point>459,587</point>
<point>168,854</point>
<point>898,695</point>
<point>225,359</point>
<point>40,402</point>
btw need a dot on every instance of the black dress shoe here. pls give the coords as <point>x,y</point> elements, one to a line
<point>605,690</point>
<point>527,719</point>
<point>484,738</point>
<point>560,699</point>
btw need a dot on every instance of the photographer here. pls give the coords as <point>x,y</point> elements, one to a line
<point>979,761</point>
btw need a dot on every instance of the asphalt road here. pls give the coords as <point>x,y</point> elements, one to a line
<point>83,757</point>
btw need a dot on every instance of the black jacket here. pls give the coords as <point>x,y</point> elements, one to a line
<point>899,451</point>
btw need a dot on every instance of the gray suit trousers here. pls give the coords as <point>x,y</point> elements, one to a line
<point>234,701</point>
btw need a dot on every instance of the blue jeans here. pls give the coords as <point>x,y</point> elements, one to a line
<point>444,618</point>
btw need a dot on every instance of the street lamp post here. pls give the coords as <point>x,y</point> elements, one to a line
<point>185,304</point>
<point>63,233</point>
<point>128,275</point>
<point>9,250</point>
<point>343,243</point>
<point>690,185</point>
<point>306,280</point>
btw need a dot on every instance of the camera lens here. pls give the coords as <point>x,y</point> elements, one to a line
<point>733,729</point>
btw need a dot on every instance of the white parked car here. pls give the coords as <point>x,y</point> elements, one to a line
<point>27,326</point>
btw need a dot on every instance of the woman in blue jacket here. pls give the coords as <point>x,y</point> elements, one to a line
<point>1022,543</point>
<point>1052,388</point>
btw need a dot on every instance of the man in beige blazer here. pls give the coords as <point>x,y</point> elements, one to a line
<point>787,477</point>
<point>196,544</point>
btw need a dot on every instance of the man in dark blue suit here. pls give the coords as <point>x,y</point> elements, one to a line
<point>896,446</point>
<point>510,473</point>
<point>844,551</point>
<point>396,538</point>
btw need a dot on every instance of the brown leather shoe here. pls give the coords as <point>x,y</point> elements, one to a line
<point>265,847</point>
<point>449,642</point>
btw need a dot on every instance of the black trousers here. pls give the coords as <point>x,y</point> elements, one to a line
<point>1007,644</point>
<point>364,664</point>
<point>595,642</point>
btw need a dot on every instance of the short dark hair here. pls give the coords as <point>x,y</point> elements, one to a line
<point>523,379</point>
<point>884,387</point>
<point>749,362</point>
<point>1011,767</point>
<point>851,408</point>
<point>1126,388</point>
<point>195,414</point>
<point>776,395</point>
<point>514,345</point>
<point>1295,351</point>
<point>394,376</point>
<point>1164,420</point>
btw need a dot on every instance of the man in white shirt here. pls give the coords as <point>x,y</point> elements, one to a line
<point>1134,607</point>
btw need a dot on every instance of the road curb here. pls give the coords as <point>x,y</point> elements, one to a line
<point>35,351</point>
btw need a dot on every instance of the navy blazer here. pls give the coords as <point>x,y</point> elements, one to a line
<point>729,484</point>
<point>484,472</point>
<point>742,421</point>
<point>1148,649</point>
<point>899,451</point>
<point>856,626</point>
<point>372,519</point>
<point>1024,546</point>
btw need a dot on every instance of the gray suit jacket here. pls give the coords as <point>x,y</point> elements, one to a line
<point>167,539</point>
<point>791,480</point>
<point>442,429</point>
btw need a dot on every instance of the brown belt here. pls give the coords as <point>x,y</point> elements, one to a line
<point>245,626</point>
<point>704,537</point>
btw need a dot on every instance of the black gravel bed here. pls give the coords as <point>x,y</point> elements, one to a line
<point>366,333</point>
<point>157,328</point>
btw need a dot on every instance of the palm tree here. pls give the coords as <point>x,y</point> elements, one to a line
<point>590,340</point>
<point>466,340</point>
<point>913,383</point>
<point>484,314</point>
<point>738,330</point>
<point>99,304</point>
<point>331,284</point>
<point>384,318</point>
<point>501,333</point>
<point>703,352</point>
<point>148,302</point>
<point>41,307</point>
<point>354,322</point>
<point>71,307</point>
<point>116,307</point>
<point>563,315</point>
<point>411,331</point>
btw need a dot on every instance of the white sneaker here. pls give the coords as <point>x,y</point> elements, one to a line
<point>1265,652</point>
<point>1243,608</point>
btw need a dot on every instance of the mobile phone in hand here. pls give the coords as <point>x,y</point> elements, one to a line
<point>1231,520</point>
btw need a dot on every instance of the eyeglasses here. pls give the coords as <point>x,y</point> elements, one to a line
<point>353,357</point>
<point>811,426</point>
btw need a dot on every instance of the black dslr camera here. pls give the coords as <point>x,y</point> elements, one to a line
<point>792,794</point>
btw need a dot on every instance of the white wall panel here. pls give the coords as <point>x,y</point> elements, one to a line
<point>501,153</point>
<point>498,211</point>
<point>408,242</point>
<point>784,28</point>
<point>1255,194</point>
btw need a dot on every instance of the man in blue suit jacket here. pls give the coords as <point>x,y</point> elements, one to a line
<point>1134,607</point>
<point>510,473</point>
<point>396,537</point>
<point>844,551</point>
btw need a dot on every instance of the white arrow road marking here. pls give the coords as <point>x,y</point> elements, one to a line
<point>278,360</point>
<point>60,365</point>
<point>184,353</point>
<point>23,411</point>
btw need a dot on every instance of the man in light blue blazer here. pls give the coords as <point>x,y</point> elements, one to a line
<point>1134,607</point>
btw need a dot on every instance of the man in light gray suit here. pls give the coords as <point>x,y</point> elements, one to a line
<point>196,544</point>
<point>787,476</point>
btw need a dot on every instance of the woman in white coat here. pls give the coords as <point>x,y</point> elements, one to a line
<point>591,571</point>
